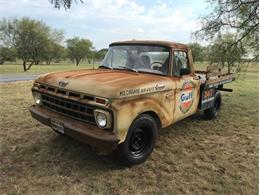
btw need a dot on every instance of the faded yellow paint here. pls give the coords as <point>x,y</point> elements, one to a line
<point>131,93</point>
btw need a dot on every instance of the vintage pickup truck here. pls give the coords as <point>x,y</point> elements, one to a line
<point>140,87</point>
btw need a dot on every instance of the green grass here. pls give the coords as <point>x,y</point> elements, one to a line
<point>194,156</point>
<point>17,69</point>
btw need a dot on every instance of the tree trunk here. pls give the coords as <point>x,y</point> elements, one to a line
<point>77,62</point>
<point>24,66</point>
<point>30,65</point>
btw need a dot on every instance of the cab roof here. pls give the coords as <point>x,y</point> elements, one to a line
<point>152,42</point>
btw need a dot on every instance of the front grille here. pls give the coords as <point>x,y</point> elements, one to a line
<point>50,89</point>
<point>69,108</point>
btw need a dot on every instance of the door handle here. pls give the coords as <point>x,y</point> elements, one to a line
<point>159,86</point>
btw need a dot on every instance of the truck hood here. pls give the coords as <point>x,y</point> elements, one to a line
<point>107,83</point>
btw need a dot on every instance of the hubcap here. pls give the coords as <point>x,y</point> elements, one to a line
<point>137,142</point>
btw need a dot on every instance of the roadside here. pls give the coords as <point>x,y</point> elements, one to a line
<point>14,72</point>
<point>12,78</point>
<point>16,69</point>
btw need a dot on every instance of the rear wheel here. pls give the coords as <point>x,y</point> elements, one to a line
<point>139,142</point>
<point>213,112</point>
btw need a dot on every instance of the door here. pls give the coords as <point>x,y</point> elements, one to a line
<point>187,85</point>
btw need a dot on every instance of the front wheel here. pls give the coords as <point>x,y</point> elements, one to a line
<point>139,142</point>
<point>213,112</point>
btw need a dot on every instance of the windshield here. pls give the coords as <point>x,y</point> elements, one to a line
<point>139,58</point>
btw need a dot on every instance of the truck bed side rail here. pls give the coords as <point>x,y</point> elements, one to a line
<point>209,88</point>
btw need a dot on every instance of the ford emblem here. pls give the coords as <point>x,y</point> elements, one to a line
<point>63,83</point>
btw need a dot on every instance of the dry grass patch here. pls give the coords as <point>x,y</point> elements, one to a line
<point>193,156</point>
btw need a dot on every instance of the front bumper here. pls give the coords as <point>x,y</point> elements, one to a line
<point>81,131</point>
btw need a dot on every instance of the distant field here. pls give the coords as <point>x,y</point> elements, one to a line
<point>194,156</point>
<point>17,69</point>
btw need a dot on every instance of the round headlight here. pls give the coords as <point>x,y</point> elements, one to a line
<point>101,119</point>
<point>37,98</point>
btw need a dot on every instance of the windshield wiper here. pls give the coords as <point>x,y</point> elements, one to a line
<point>102,66</point>
<point>126,68</point>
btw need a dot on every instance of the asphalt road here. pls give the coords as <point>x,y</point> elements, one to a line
<point>12,78</point>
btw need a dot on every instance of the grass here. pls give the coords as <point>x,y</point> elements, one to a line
<point>194,156</point>
<point>17,69</point>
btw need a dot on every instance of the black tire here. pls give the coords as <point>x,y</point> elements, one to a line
<point>139,142</point>
<point>59,133</point>
<point>213,112</point>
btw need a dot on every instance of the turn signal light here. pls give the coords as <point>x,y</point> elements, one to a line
<point>100,101</point>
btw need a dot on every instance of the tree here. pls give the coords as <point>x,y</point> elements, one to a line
<point>237,16</point>
<point>79,49</point>
<point>99,55</point>
<point>232,55</point>
<point>198,52</point>
<point>63,3</point>
<point>29,37</point>
<point>55,52</point>
<point>7,54</point>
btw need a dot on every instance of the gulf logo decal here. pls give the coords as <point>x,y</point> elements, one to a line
<point>186,96</point>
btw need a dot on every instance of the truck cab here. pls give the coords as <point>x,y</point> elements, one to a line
<point>140,87</point>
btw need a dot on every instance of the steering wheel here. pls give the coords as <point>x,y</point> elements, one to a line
<point>156,65</point>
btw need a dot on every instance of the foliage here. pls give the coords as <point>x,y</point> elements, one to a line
<point>99,55</point>
<point>63,3</point>
<point>79,49</point>
<point>198,52</point>
<point>55,51</point>
<point>33,40</point>
<point>224,53</point>
<point>7,54</point>
<point>239,17</point>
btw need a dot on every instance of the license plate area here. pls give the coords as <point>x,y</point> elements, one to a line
<point>57,126</point>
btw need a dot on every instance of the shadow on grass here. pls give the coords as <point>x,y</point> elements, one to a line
<point>76,155</point>
<point>50,153</point>
<point>72,156</point>
<point>183,126</point>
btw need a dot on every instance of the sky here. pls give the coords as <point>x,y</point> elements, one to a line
<point>106,21</point>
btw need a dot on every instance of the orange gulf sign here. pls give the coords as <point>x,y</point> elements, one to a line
<point>186,96</point>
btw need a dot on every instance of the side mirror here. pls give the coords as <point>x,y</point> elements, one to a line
<point>184,71</point>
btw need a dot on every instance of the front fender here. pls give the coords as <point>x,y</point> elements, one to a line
<point>128,109</point>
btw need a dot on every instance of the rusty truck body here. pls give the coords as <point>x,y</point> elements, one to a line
<point>140,87</point>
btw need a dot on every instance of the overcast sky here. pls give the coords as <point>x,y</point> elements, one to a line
<point>105,21</point>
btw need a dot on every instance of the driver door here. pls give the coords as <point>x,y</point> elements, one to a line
<point>187,85</point>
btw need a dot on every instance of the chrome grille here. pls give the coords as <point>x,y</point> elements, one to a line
<point>69,108</point>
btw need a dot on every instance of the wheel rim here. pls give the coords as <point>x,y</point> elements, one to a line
<point>138,142</point>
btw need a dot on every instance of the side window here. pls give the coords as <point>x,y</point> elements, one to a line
<point>180,61</point>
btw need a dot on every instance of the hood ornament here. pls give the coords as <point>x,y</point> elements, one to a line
<point>63,83</point>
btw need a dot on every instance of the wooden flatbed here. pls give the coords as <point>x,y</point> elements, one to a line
<point>210,83</point>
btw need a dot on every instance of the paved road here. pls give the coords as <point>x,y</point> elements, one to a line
<point>11,78</point>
